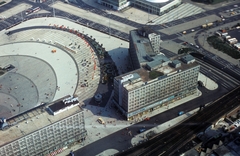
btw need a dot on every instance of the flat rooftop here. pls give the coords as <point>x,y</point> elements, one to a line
<point>144,74</point>
<point>34,123</point>
<point>58,105</point>
<point>142,44</point>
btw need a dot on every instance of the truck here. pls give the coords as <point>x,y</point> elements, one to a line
<point>204,26</point>
<point>210,24</point>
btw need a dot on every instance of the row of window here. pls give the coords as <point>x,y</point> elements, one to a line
<point>144,101</point>
<point>156,90</point>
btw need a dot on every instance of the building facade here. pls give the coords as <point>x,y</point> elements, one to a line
<point>49,140</point>
<point>158,8</point>
<point>156,80</point>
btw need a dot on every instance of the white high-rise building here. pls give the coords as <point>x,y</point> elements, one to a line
<point>156,79</point>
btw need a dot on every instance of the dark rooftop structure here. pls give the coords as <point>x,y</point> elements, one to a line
<point>158,60</point>
<point>188,59</point>
<point>63,104</point>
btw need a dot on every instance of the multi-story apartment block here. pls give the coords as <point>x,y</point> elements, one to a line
<point>155,80</point>
<point>44,135</point>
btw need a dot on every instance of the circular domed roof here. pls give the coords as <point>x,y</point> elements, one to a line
<point>157,1</point>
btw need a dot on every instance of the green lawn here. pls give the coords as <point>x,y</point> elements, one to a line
<point>2,2</point>
<point>217,43</point>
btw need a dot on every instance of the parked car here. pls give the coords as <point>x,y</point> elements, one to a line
<point>197,46</point>
<point>147,118</point>
<point>100,120</point>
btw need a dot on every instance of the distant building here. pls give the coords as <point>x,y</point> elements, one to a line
<point>114,4</point>
<point>159,7</point>
<point>155,80</point>
<point>156,7</point>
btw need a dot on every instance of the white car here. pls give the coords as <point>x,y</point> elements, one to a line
<point>100,120</point>
<point>192,30</point>
<point>197,46</point>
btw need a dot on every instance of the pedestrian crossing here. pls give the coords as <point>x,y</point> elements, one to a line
<point>184,10</point>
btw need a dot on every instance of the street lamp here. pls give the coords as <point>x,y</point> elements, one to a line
<point>53,8</point>
<point>109,29</point>
<point>148,15</point>
<point>22,16</point>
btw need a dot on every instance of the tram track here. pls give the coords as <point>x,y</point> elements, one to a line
<point>204,118</point>
<point>216,70</point>
<point>168,142</point>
